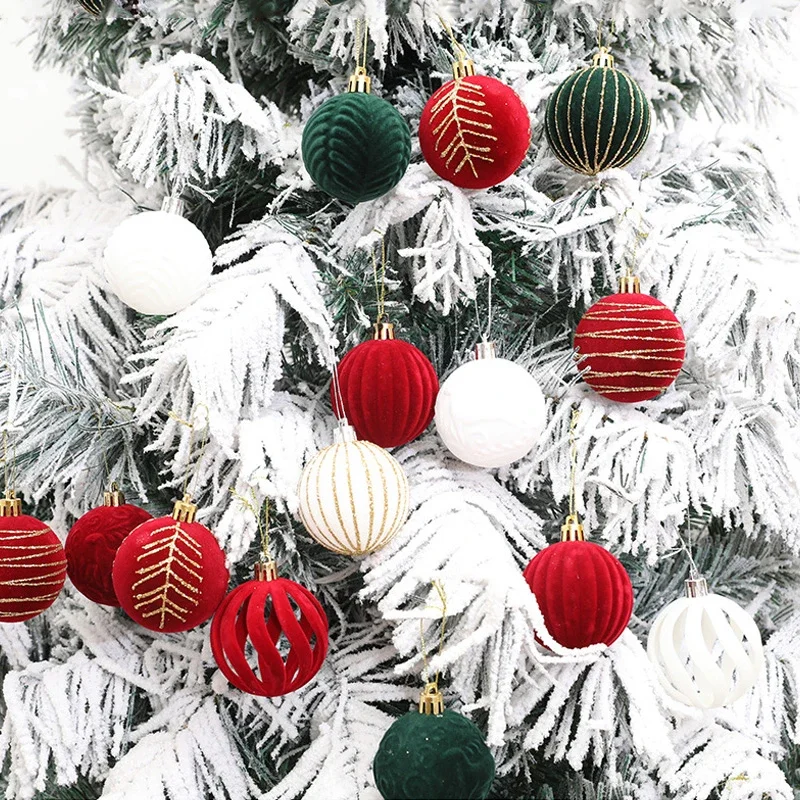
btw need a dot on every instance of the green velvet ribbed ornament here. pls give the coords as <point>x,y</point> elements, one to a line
<point>356,146</point>
<point>433,753</point>
<point>598,118</point>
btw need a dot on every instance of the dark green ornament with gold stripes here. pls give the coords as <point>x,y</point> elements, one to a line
<point>598,118</point>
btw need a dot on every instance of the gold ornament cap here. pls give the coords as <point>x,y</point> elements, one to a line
<point>572,530</point>
<point>431,700</point>
<point>629,284</point>
<point>485,350</point>
<point>266,571</point>
<point>114,497</point>
<point>383,331</point>
<point>360,82</point>
<point>184,510</point>
<point>463,67</point>
<point>603,58</point>
<point>10,505</point>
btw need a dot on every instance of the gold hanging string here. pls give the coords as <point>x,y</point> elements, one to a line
<point>362,44</point>
<point>443,597</point>
<point>190,479</point>
<point>380,281</point>
<point>573,451</point>
<point>251,504</point>
<point>458,49</point>
<point>338,401</point>
<point>5,462</point>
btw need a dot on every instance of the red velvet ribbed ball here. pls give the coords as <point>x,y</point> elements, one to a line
<point>474,131</point>
<point>92,544</point>
<point>388,389</point>
<point>260,614</point>
<point>33,568</point>
<point>583,592</point>
<point>631,347</point>
<point>170,576</point>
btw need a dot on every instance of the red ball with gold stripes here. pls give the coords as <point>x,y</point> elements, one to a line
<point>630,347</point>
<point>33,566</point>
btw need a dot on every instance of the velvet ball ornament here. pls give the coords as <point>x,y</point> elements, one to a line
<point>33,567</point>
<point>598,118</point>
<point>583,591</point>
<point>706,649</point>
<point>157,262</point>
<point>260,615</point>
<point>630,346</point>
<point>169,574</point>
<point>92,544</point>
<point>388,388</point>
<point>353,496</point>
<point>435,756</point>
<point>474,130</point>
<point>490,411</point>
<point>356,147</point>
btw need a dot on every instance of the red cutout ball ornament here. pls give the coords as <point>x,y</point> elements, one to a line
<point>583,591</point>
<point>474,130</point>
<point>33,567</point>
<point>388,389</point>
<point>262,612</point>
<point>93,542</point>
<point>630,345</point>
<point>169,573</point>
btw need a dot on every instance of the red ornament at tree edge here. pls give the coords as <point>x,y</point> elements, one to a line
<point>33,567</point>
<point>388,389</point>
<point>474,130</point>
<point>169,574</point>
<point>93,541</point>
<point>630,345</point>
<point>262,612</point>
<point>583,591</point>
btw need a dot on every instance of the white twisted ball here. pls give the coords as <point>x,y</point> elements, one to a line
<point>353,497</point>
<point>490,412</point>
<point>706,650</point>
<point>157,262</point>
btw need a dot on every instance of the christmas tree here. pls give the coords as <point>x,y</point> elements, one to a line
<point>328,211</point>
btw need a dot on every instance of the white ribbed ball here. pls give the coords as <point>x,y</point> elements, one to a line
<point>157,262</point>
<point>353,497</point>
<point>706,650</point>
<point>490,412</point>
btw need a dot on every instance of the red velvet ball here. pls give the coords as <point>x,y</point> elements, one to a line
<point>389,391</point>
<point>632,345</point>
<point>263,612</point>
<point>92,544</point>
<point>474,132</point>
<point>583,592</point>
<point>33,568</point>
<point>170,576</point>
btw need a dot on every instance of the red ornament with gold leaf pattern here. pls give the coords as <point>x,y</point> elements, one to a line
<point>474,130</point>
<point>630,346</point>
<point>169,574</point>
<point>260,614</point>
<point>33,567</point>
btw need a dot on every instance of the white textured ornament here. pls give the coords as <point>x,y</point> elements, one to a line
<point>353,496</point>
<point>706,649</point>
<point>490,411</point>
<point>158,262</point>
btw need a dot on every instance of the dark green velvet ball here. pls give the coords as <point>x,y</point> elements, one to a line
<point>435,757</point>
<point>356,147</point>
<point>598,118</point>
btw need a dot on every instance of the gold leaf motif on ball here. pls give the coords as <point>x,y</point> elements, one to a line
<point>461,112</point>
<point>171,577</point>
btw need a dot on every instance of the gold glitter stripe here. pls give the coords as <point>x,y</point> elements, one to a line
<point>12,534</point>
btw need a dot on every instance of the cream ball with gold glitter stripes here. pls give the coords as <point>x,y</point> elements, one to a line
<point>353,496</point>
